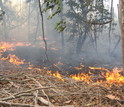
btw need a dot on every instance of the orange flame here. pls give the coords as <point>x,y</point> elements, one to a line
<point>14,59</point>
<point>78,68</point>
<point>81,77</point>
<point>99,68</point>
<point>56,74</point>
<point>114,77</point>
<point>4,46</point>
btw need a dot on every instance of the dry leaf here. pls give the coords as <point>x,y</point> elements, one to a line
<point>112,97</point>
<point>67,102</point>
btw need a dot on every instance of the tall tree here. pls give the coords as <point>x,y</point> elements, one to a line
<point>4,22</point>
<point>61,15</point>
<point>84,15</point>
<point>121,22</point>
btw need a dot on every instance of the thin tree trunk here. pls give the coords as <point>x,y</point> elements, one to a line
<point>4,22</point>
<point>43,32</point>
<point>62,35</point>
<point>29,38</point>
<point>121,22</point>
<point>110,25</point>
<point>38,22</point>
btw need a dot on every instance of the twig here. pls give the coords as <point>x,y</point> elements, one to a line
<point>45,102</point>
<point>58,92</point>
<point>14,97</point>
<point>4,104</point>
<point>8,93</point>
<point>16,94</point>
<point>49,103</point>
<point>32,90</point>
<point>36,97</point>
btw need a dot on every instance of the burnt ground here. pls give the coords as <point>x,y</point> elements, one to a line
<point>65,64</point>
<point>36,56</point>
<point>21,87</point>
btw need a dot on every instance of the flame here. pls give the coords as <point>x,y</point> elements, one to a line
<point>4,46</point>
<point>82,65</point>
<point>38,69</point>
<point>99,68</point>
<point>30,66</point>
<point>14,59</point>
<point>114,77</point>
<point>56,74</point>
<point>78,68</point>
<point>81,77</point>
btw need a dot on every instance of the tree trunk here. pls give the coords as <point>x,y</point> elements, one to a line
<point>110,26</point>
<point>62,35</point>
<point>29,11</point>
<point>4,23</point>
<point>121,22</point>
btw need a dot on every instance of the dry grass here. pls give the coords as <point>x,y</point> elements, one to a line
<point>20,87</point>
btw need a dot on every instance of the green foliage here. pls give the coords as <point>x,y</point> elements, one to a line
<point>60,26</point>
<point>53,5</point>
<point>78,12</point>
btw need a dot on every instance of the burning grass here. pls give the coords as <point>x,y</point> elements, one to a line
<point>33,86</point>
<point>20,87</point>
<point>113,77</point>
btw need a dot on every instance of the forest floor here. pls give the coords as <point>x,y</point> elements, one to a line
<point>21,87</point>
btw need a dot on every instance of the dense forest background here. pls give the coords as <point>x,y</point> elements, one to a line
<point>83,30</point>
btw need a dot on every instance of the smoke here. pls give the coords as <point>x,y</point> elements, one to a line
<point>23,23</point>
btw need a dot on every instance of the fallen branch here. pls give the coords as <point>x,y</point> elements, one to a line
<point>48,102</point>
<point>45,102</point>
<point>36,98</point>
<point>32,90</point>
<point>21,93</point>
<point>4,104</point>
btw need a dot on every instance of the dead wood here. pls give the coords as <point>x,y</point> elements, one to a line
<point>26,88</point>
<point>16,95</point>
<point>6,104</point>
